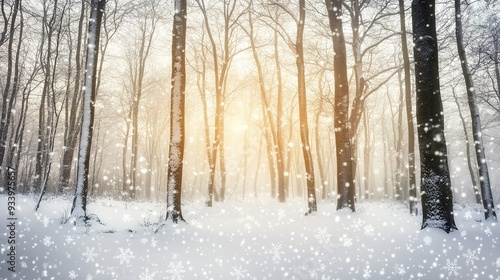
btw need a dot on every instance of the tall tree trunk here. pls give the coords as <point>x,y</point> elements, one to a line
<point>304,129</point>
<point>319,151</point>
<point>177,120</point>
<point>125,174</point>
<point>280,152</point>
<point>484,177</point>
<point>13,138</point>
<point>72,123</point>
<point>270,130</point>
<point>437,197</point>
<point>409,114</point>
<point>472,172</point>
<point>142,57</point>
<point>399,145</point>
<point>9,92</point>
<point>79,208</point>
<point>345,183</point>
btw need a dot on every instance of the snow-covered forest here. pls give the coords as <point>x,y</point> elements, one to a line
<point>254,139</point>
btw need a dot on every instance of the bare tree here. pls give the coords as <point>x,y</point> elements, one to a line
<point>484,177</point>
<point>221,69</point>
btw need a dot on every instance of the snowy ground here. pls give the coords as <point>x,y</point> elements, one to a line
<point>256,239</point>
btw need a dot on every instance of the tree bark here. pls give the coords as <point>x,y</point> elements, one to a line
<point>345,183</point>
<point>79,208</point>
<point>177,120</point>
<point>437,197</point>
<point>304,129</point>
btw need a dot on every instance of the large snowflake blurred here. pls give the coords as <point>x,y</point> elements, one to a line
<point>47,241</point>
<point>125,255</point>
<point>452,267</point>
<point>322,236</point>
<point>470,257</point>
<point>276,252</point>
<point>400,269</point>
<point>89,254</point>
<point>146,275</point>
<point>176,270</point>
<point>238,272</point>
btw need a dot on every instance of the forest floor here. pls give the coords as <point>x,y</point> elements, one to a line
<point>252,239</point>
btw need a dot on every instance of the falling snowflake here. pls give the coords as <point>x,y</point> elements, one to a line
<point>72,274</point>
<point>452,267</point>
<point>238,272</point>
<point>146,275</point>
<point>125,255</point>
<point>47,242</point>
<point>89,254</point>
<point>470,257</point>
<point>366,272</point>
<point>322,236</point>
<point>276,252</point>
<point>153,242</point>
<point>69,239</point>
<point>463,233</point>
<point>175,269</point>
<point>45,221</point>
<point>89,277</point>
<point>488,232</point>
<point>347,242</point>
<point>427,240</point>
<point>400,270</point>
<point>144,240</point>
<point>497,263</point>
<point>369,230</point>
<point>357,225</point>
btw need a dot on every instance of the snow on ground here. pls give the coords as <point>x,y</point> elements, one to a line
<point>253,239</point>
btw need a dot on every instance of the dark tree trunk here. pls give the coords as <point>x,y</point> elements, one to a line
<point>177,136</point>
<point>437,197</point>
<point>484,181</point>
<point>345,183</point>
